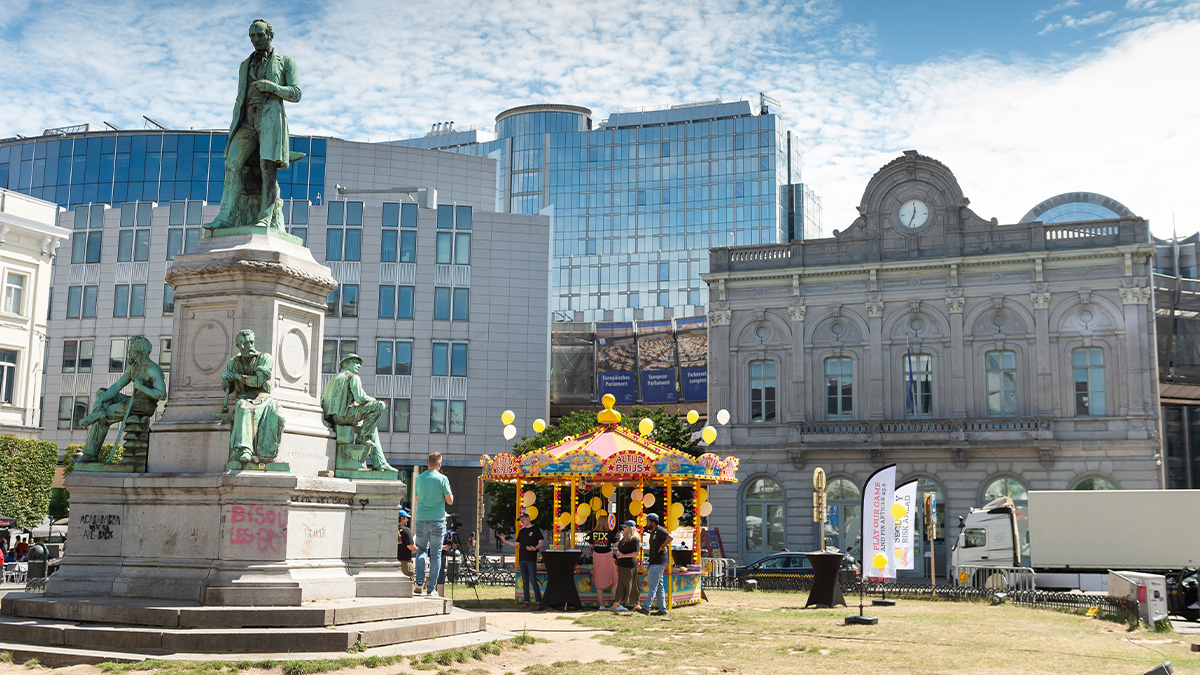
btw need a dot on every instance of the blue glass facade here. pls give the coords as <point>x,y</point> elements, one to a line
<point>637,202</point>
<point>128,166</point>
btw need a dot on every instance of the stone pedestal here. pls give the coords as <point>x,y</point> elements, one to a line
<point>189,529</point>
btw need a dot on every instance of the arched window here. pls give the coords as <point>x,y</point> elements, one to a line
<point>762,518</point>
<point>1015,490</point>
<point>844,529</point>
<point>1095,483</point>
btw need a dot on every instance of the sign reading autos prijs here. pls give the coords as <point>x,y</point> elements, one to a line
<point>615,361</point>
<point>656,358</point>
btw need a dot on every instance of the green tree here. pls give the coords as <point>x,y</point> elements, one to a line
<point>670,430</point>
<point>26,472</point>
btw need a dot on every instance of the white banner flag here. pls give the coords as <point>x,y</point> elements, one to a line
<point>879,526</point>
<point>906,499</point>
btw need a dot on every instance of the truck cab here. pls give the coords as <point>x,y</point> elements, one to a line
<point>988,537</point>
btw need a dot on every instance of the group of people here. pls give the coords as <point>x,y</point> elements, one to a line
<point>614,564</point>
<point>18,551</point>
<point>430,540</point>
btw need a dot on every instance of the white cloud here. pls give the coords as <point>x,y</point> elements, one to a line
<point>1067,4</point>
<point>1117,121</point>
<point>1068,21</point>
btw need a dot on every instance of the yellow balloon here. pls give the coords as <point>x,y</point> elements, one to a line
<point>641,521</point>
<point>601,514</point>
<point>648,499</point>
<point>672,523</point>
<point>898,511</point>
<point>607,490</point>
<point>701,495</point>
<point>507,417</point>
<point>693,417</point>
<point>596,503</point>
<point>676,510</point>
<point>583,511</point>
<point>636,495</point>
<point>705,508</point>
<point>646,426</point>
<point>532,511</point>
<point>608,400</point>
<point>579,520</point>
<point>539,425</point>
<point>635,508</point>
<point>709,434</point>
<point>880,561</point>
<point>528,498</point>
<point>564,518</point>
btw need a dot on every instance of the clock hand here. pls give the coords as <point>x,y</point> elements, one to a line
<point>914,215</point>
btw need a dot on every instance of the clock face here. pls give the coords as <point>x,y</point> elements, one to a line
<point>913,213</point>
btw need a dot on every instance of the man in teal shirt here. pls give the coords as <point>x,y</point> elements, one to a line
<point>432,492</point>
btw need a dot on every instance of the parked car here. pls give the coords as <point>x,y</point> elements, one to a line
<point>791,564</point>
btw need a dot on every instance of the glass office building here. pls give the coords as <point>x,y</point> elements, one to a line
<point>637,200</point>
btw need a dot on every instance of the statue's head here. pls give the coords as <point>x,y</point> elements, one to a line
<point>139,348</point>
<point>261,34</point>
<point>245,340</point>
<point>350,362</point>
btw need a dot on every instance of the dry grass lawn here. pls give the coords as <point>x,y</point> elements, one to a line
<point>761,632</point>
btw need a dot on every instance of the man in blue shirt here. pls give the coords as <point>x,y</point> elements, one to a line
<point>432,492</point>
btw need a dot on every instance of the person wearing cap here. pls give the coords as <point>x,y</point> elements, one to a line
<point>345,404</point>
<point>529,541</point>
<point>658,551</point>
<point>405,545</point>
<point>626,595</point>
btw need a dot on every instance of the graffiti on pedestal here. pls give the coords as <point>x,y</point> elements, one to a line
<point>264,527</point>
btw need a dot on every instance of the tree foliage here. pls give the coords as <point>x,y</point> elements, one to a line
<point>26,472</point>
<point>670,430</point>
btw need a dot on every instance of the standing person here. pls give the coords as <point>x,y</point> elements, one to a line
<point>405,546</point>
<point>604,569</point>
<point>626,595</point>
<point>658,554</point>
<point>432,490</point>
<point>529,541</point>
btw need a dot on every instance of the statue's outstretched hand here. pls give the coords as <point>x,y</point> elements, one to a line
<point>267,87</point>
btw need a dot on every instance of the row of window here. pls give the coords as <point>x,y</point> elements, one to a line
<point>394,357</point>
<point>1000,380</point>
<point>79,354</point>
<point>396,302</point>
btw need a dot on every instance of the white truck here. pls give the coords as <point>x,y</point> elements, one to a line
<point>1076,536</point>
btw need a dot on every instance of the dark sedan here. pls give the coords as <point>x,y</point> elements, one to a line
<point>790,564</point>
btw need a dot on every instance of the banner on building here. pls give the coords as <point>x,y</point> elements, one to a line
<point>906,514</point>
<point>615,361</point>
<point>656,361</point>
<point>692,338</point>
<point>878,524</point>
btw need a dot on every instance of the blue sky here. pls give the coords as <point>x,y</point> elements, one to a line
<point>1022,100</point>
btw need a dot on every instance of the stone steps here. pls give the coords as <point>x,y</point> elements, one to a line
<point>152,640</point>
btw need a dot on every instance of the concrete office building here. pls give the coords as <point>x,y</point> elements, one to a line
<point>28,241</point>
<point>447,305</point>
<point>984,360</point>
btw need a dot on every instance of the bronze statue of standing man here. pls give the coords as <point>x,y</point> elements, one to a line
<point>258,138</point>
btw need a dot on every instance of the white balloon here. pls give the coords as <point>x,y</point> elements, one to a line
<point>510,432</point>
<point>723,416</point>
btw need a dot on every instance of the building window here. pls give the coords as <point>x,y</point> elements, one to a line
<point>393,357</point>
<point>762,391</point>
<point>88,235</point>
<point>168,300</point>
<point>437,417</point>
<point>81,302</point>
<point>399,245</point>
<point>333,351</point>
<point>447,417</point>
<point>441,303</point>
<point>1088,366</point>
<point>918,385</point>
<point>71,409</point>
<point>458,417</point>
<point>8,375</point>
<point>762,515</point>
<point>1001,383</point>
<point>343,301</point>
<point>462,304</point>
<point>395,302</point>
<point>129,300</point>
<point>399,408</point>
<point>295,219</point>
<point>116,355</point>
<point>343,239</point>
<point>453,247</point>
<point>1095,483</point>
<point>450,359</point>
<point>77,356</point>
<point>839,389</point>
<point>164,354</point>
<point>184,221</point>
<point>133,241</point>
<point>14,293</point>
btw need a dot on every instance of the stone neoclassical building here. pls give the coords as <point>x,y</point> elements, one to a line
<point>982,359</point>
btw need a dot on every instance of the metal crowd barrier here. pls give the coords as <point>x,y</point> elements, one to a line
<point>719,572</point>
<point>995,578</point>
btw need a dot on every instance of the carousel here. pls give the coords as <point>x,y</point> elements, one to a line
<point>597,478</point>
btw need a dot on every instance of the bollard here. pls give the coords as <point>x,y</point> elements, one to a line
<point>37,557</point>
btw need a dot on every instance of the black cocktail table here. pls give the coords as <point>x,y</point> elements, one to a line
<point>560,579</point>
<point>826,591</point>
